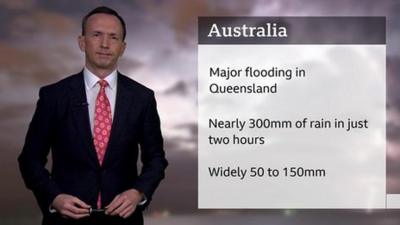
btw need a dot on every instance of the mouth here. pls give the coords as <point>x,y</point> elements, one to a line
<point>103,54</point>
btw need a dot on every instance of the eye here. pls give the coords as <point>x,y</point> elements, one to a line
<point>96,34</point>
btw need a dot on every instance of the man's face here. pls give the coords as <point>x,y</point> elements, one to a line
<point>102,42</point>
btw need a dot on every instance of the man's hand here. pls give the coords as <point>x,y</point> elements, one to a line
<point>124,204</point>
<point>70,206</point>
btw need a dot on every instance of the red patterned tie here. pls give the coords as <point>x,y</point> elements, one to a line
<point>102,125</point>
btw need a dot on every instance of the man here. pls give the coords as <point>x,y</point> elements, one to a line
<point>94,123</point>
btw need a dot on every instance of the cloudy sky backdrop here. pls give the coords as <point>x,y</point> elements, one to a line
<point>38,46</point>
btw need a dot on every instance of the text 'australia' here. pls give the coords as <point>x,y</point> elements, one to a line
<point>269,30</point>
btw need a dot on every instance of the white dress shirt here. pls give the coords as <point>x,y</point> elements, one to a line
<point>92,88</point>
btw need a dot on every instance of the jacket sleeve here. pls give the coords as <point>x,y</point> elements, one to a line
<point>152,152</point>
<point>33,158</point>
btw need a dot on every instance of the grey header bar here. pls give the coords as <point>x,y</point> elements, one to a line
<point>298,30</point>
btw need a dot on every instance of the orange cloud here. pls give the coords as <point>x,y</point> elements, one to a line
<point>17,4</point>
<point>40,21</point>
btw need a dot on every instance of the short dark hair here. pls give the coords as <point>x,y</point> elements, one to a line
<point>105,10</point>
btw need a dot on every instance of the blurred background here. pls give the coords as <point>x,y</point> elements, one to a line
<point>38,46</point>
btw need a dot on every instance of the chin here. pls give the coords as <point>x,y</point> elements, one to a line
<point>104,65</point>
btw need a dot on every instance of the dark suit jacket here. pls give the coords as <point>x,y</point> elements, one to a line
<point>61,123</point>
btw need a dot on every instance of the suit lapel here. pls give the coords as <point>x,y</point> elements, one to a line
<point>81,116</point>
<point>123,101</point>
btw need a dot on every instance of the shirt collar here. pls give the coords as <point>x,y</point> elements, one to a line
<point>91,79</point>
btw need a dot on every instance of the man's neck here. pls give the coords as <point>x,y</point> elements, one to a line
<point>100,73</point>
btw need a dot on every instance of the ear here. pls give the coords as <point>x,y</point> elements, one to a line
<point>81,42</point>
<point>122,48</point>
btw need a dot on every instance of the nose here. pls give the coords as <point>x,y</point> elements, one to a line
<point>105,42</point>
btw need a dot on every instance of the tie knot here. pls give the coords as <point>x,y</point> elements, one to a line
<point>103,83</point>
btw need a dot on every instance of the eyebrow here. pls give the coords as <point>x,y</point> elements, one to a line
<point>101,32</point>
